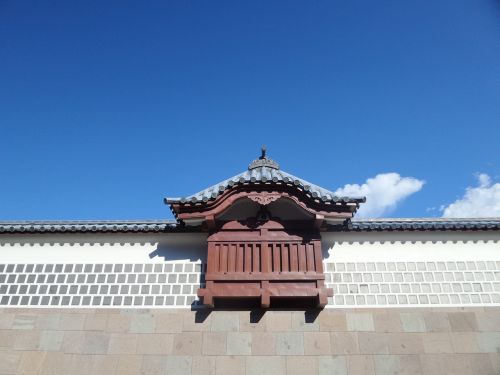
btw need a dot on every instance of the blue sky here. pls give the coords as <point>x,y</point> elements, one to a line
<point>107,107</point>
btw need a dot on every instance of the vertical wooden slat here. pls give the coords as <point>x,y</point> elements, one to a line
<point>276,257</point>
<point>217,258</point>
<point>223,258</point>
<point>265,258</point>
<point>211,258</point>
<point>256,258</point>
<point>318,257</point>
<point>248,257</point>
<point>240,258</point>
<point>294,261</point>
<point>302,257</point>
<point>285,254</point>
<point>310,258</point>
<point>231,262</point>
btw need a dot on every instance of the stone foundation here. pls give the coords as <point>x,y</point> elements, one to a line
<point>181,341</point>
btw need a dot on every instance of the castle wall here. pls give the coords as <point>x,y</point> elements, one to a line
<point>412,303</point>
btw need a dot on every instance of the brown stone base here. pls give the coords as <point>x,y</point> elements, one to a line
<point>360,341</point>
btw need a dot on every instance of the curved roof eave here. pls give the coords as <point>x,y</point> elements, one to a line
<point>264,174</point>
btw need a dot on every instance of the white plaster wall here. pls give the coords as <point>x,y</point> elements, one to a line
<point>103,248</point>
<point>411,246</point>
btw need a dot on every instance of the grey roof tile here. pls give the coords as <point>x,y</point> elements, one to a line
<point>263,175</point>
<point>424,224</point>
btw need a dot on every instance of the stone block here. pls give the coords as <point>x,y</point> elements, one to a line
<point>300,365</point>
<point>49,321</point>
<point>142,323</point>
<point>26,340</point>
<point>462,321</point>
<point>30,362</point>
<point>71,322</point>
<point>80,364</point>
<point>129,364</point>
<point>437,342</point>
<point>386,322</point>
<point>95,322</point>
<point>122,343</point>
<point>290,343</point>
<point>317,343</point>
<point>412,322</point>
<point>488,321</point>
<point>360,322</point>
<point>464,342</point>
<point>463,364</point>
<point>229,365</point>
<point>118,323</point>
<point>153,365</point>
<point>187,343</point>
<point>265,365</point>
<point>197,321</point>
<point>203,365</point>
<point>299,323</point>
<point>239,343</point>
<point>278,321</point>
<point>332,321</point>
<point>50,340</point>
<point>344,343</point>
<point>386,364</point>
<point>405,343</point>
<point>170,321</point>
<point>214,343</point>
<point>24,321</point>
<point>155,343</point>
<point>6,320</point>
<point>332,365</point>
<point>495,362</point>
<point>56,363</point>
<point>104,364</point>
<point>223,321</point>
<point>73,342</point>
<point>360,364</point>
<point>437,321</point>
<point>7,337</point>
<point>409,364</point>
<point>489,342</point>
<point>253,321</point>
<point>478,364</point>
<point>179,365</point>
<point>373,343</point>
<point>263,343</point>
<point>95,343</point>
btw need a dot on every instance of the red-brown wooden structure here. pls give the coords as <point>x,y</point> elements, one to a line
<point>264,235</point>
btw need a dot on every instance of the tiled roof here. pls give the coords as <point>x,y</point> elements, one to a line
<point>422,224</point>
<point>265,174</point>
<point>87,226</point>
<point>162,226</point>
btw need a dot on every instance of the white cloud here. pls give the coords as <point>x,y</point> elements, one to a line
<point>480,201</point>
<point>383,193</point>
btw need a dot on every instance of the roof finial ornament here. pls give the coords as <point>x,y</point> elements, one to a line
<point>263,161</point>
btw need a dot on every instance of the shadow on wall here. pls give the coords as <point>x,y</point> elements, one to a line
<point>327,245</point>
<point>254,315</point>
<point>191,248</point>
